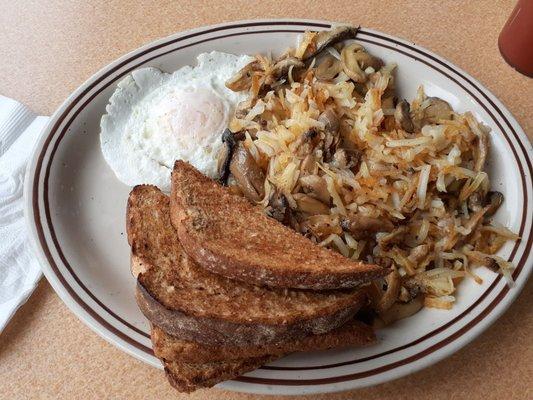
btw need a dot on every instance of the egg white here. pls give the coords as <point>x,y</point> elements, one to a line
<point>138,134</point>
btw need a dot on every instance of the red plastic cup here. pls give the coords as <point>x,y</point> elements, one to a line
<point>516,38</point>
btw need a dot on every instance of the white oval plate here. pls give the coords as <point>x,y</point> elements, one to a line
<point>76,206</point>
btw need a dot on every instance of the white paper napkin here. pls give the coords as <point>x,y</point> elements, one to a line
<point>19,269</point>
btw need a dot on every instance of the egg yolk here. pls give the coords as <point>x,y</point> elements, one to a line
<point>194,113</point>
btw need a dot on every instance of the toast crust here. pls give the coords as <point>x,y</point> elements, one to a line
<point>188,377</point>
<point>217,332</point>
<point>227,235</point>
<point>353,333</point>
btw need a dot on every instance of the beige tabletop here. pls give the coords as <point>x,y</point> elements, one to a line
<point>48,48</point>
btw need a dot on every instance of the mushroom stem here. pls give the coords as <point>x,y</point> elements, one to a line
<point>230,141</point>
<point>331,37</point>
<point>247,173</point>
<point>403,118</point>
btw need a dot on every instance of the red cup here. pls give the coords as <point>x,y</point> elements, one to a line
<point>516,38</point>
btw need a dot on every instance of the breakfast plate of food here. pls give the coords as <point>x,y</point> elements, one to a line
<point>283,206</point>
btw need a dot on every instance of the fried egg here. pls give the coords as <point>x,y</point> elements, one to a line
<point>154,118</point>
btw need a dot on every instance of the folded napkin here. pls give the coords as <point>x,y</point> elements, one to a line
<point>19,269</point>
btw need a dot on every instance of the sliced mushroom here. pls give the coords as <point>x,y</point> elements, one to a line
<point>455,187</point>
<point>385,292</point>
<point>491,264</point>
<point>436,109</point>
<point>281,68</point>
<point>278,208</point>
<point>481,152</point>
<point>320,226</point>
<point>413,287</point>
<point>308,165</point>
<point>242,80</point>
<point>306,142</point>
<point>388,102</point>
<point>366,60</point>
<point>247,173</point>
<point>360,90</point>
<point>400,311</point>
<point>310,205</point>
<point>362,227</point>
<point>494,200</point>
<point>328,68</point>
<point>344,158</point>
<point>475,201</point>
<point>404,295</point>
<point>402,116</point>
<point>329,38</point>
<point>331,133</point>
<point>330,143</point>
<point>315,186</point>
<point>355,60</point>
<point>225,155</point>
<point>330,120</point>
<point>350,62</point>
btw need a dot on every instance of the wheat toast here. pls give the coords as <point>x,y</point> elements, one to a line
<point>168,347</point>
<point>188,377</point>
<point>186,301</point>
<point>227,235</point>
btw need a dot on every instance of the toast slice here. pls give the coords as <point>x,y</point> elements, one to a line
<point>353,333</point>
<point>194,366</point>
<point>187,301</point>
<point>227,235</point>
<point>188,377</point>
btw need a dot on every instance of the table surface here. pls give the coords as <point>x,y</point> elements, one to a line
<point>49,48</point>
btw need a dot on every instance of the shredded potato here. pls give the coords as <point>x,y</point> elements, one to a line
<point>404,184</point>
<point>444,302</point>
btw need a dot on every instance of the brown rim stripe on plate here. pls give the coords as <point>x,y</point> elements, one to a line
<point>47,142</point>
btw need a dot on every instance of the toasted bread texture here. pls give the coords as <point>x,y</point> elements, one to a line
<point>353,333</point>
<point>189,302</point>
<point>227,235</point>
<point>195,366</point>
<point>188,377</point>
